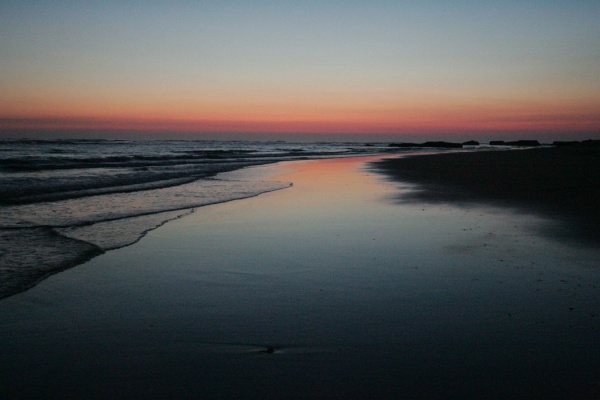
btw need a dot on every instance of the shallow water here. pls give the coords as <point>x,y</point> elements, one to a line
<point>359,297</point>
<point>107,194</point>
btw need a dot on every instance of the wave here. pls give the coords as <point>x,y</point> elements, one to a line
<point>93,209</point>
<point>30,255</point>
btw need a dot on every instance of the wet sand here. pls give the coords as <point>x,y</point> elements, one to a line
<point>560,183</point>
<point>328,289</point>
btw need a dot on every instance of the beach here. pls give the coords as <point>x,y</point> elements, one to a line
<point>352,283</point>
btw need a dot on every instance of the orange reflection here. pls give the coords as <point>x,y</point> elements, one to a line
<point>347,180</point>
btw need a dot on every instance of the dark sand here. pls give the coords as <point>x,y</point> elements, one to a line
<point>324,290</point>
<point>562,184</point>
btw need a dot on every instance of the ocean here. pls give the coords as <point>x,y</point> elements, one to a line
<point>63,202</point>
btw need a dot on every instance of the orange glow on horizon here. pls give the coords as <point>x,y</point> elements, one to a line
<point>564,123</point>
<point>376,113</point>
<point>400,120</point>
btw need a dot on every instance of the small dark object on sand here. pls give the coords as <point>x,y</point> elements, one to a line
<point>270,350</point>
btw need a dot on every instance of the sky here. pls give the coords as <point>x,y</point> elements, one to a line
<point>344,69</point>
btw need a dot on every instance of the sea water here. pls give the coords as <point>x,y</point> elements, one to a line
<point>63,202</point>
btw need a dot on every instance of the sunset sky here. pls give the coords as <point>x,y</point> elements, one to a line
<point>430,68</point>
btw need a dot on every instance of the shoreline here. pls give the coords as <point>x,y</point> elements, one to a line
<point>559,183</point>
